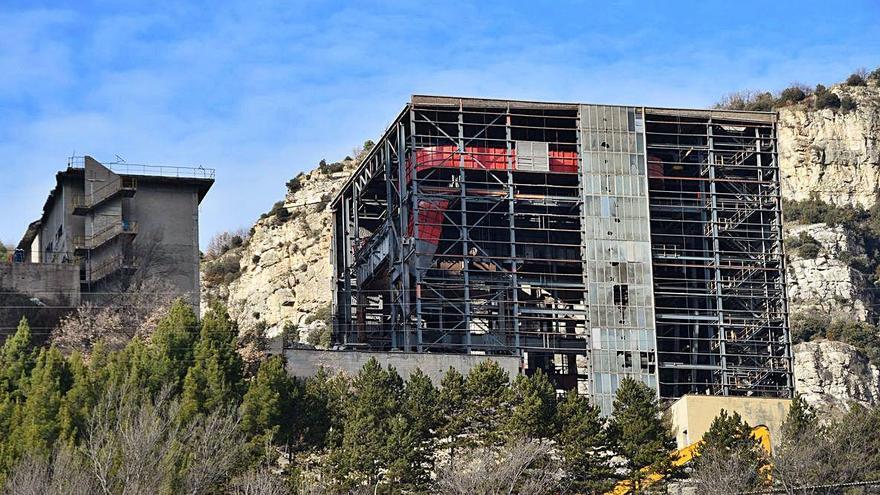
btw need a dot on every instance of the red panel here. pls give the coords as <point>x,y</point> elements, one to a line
<point>430,220</point>
<point>477,157</point>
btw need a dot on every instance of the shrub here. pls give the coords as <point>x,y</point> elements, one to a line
<point>748,100</point>
<point>827,99</point>
<point>294,184</point>
<point>820,89</point>
<point>323,313</point>
<point>320,336</point>
<point>224,241</point>
<point>808,326</point>
<point>331,168</point>
<point>793,94</point>
<point>847,104</point>
<point>223,270</point>
<point>281,213</point>
<point>855,79</point>
<point>874,75</point>
<point>805,245</point>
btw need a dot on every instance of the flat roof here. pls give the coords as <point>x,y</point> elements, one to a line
<point>200,177</point>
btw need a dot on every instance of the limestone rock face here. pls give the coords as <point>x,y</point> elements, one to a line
<point>827,283</point>
<point>832,375</point>
<point>833,154</point>
<point>285,271</point>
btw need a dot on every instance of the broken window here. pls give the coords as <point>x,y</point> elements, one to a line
<point>621,295</point>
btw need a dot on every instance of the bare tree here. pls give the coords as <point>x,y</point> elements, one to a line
<point>721,471</point>
<point>258,482</point>
<point>224,241</point>
<point>524,467</point>
<point>64,473</point>
<point>140,446</point>
<point>211,449</point>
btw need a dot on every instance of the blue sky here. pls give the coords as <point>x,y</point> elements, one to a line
<point>261,90</point>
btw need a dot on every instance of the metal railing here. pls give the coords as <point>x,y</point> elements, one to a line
<point>90,200</point>
<point>124,168</point>
<point>108,267</point>
<point>98,238</point>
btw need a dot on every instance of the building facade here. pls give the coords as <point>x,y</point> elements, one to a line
<point>118,219</point>
<point>595,242</point>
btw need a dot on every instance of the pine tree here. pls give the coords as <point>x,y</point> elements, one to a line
<point>268,407</point>
<point>36,424</point>
<point>411,432</point>
<point>16,361</point>
<point>642,437</point>
<point>729,442</point>
<point>215,378</point>
<point>172,348</point>
<point>534,406</point>
<point>374,404</point>
<point>325,400</point>
<point>78,401</point>
<point>488,407</point>
<point>452,407</point>
<point>801,418</point>
<point>585,445</point>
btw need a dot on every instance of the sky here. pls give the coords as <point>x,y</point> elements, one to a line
<point>262,90</point>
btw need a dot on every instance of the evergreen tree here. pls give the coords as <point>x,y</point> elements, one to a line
<point>36,424</point>
<point>215,378</point>
<point>172,347</point>
<point>268,407</point>
<point>325,400</point>
<point>374,404</point>
<point>534,406</point>
<point>78,401</point>
<point>488,406</point>
<point>729,442</point>
<point>585,445</point>
<point>452,401</point>
<point>801,418</point>
<point>16,361</point>
<point>643,439</point>
<point>411,432</point>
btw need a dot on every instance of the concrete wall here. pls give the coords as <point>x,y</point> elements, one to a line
<point>169,214</point>
<point>51,283</point>
<point>693,414</point>
<point>303,363</point>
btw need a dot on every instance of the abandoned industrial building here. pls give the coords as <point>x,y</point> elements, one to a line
<point>595,242</point>
<point>101,222</point>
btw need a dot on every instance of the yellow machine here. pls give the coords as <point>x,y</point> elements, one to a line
<point>684,456</point>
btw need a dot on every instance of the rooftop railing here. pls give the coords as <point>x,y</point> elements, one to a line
<point>124,168</point>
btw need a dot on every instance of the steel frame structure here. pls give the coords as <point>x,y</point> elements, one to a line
<point>554,231</point>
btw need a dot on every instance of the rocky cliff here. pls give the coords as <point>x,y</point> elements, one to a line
<point>831,153</point>
<point>826,282</point>
<point>280,278</point>
<point>833,375</point>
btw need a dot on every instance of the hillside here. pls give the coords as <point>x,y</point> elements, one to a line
<point>280,278</point>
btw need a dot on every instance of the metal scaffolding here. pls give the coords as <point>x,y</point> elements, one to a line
<point>546,231</point>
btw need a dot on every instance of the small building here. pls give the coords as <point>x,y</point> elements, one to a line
<point>692,415</point>
<point>114,220</point>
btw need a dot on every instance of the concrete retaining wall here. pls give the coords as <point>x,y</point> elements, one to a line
<point>303,363</point>
<point>51,283</point>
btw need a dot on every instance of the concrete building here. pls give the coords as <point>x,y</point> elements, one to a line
<point>692,415</point>
<point>595,242</point>
<point>114,220</point>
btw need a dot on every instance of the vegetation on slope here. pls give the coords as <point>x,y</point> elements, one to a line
<point>817,98</point>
